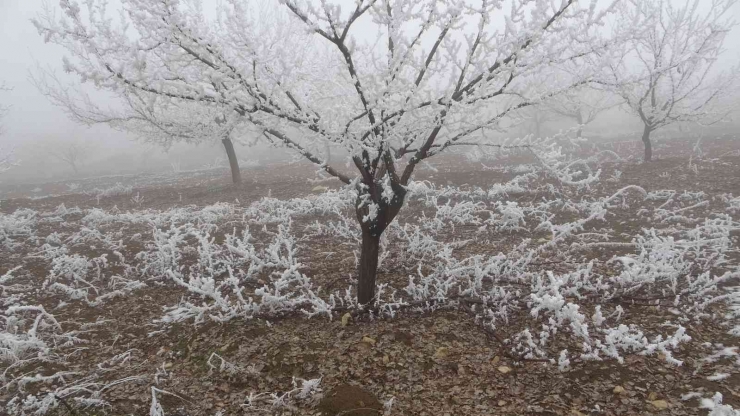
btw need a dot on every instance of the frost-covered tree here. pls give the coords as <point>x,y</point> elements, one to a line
<point>392,82</point>
<point>582,105</point>
<point>72,153</point>
<point>669,72</point>
<point>151,118</point>
<point>534,119</point>
<point>6,156</point>
<point>3,108</point>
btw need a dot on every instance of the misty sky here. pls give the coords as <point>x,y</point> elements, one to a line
<point>33,118</point>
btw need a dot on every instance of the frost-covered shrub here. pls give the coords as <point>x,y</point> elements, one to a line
<point>118,189</point>
<point>15,226</point>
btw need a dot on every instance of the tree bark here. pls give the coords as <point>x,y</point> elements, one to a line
<point>368,267</point>
<point>372,230</point>
<point>648,145</point>
<point>236,176</point>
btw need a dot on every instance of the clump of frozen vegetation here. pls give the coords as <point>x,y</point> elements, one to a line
<point>118,189</point>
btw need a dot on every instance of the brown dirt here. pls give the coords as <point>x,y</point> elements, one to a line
<point>349,400</point>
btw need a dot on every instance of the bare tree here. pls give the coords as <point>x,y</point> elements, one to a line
<point>6,155</point>
<point>582,105</point>
<point>151,119</point>
<point>3,108</point>
<point>443,74</point>
<point>532,120</point>
<point>668,72</point>
<point>72,153</point>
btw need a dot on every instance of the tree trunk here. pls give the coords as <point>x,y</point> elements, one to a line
<point>647,143</point>
<point>368,267</point>
<point>328,153</point>
<point>374,218</point>
<point>236,176</point>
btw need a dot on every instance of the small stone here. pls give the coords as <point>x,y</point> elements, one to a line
<point>441,352</point>
<point>504,369</point>
<point>659,404</point>
<point>502,402</point>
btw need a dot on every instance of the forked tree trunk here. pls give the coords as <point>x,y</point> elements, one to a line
<point>372,230</point>
<point>368,267</point>
<point>236,176</point>
<point>648,145</point>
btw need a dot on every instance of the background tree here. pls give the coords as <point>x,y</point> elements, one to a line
<point>6,156</point>
<point>72,153</point>
<point>151,119</point>
<point>3,108</point>
<point>669,71</point>
<point>582,105</point>
<point>431,75</point>
<point>534,119</point>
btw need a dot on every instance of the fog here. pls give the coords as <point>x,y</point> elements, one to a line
<point>38,131</point>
